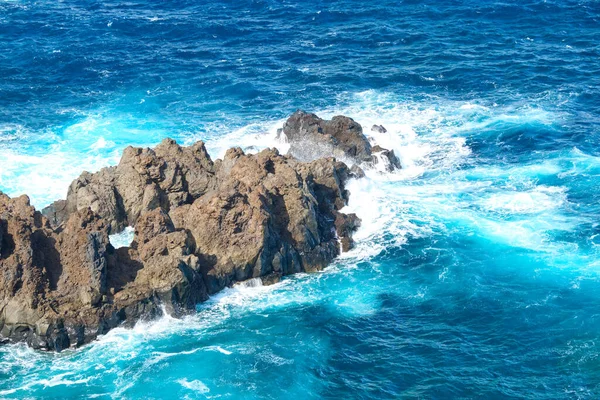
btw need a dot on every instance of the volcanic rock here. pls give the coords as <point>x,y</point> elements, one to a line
<point>386,157</point>
<point>199,226</point>
<point>378,128</point>
<point>311,137</point>
<point>145,179</point>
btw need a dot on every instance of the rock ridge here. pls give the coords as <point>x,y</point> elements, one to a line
<point>200,226</point>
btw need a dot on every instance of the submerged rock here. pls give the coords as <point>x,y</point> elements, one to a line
<point>378,128</point>
<point>386,157</point>
<point>199,226</point>
<point>311,137</point>
<point>145,179</point>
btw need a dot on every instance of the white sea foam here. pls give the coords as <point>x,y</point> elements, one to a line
<point>539,199</point>
<point>158,357</point>
<point>429,136</point>
<point>46,177</point>
<point>102,144</point>
<point>223,351</point>
<point>213,312</point>
<point>44,172</point>
<point>56,380</point>
<point>250,283</point>
<point>59,380</point>
<point>251,138</point>
<point>195,385</point>
<point>10,132</point>
<point>122,239</point>
<point>432,192</point>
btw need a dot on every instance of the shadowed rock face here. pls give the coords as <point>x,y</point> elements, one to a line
<point>311,137</point>
<point>199,226</point>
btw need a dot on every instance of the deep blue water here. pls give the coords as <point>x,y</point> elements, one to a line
<point>477,269</point>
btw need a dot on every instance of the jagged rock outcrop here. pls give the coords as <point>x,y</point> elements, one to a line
<point>145,179</point>
<point>199,226</point>
<point>270,215</point>
<point>311,137</point>
<point>378,129</point>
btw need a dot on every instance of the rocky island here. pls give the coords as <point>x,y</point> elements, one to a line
<point>200,226</point>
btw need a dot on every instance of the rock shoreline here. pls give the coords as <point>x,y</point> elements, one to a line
<point>200,226</point>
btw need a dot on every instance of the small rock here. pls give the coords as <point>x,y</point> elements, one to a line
<point>357,172</point>
<point>311,137</point>
<point>391,161</point>
<point>271,279</point>
<point>378,128</point>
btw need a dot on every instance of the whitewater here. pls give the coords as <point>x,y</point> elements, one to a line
<point>476,271</point>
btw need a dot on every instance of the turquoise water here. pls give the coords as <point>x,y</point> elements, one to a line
<point>477,270</point>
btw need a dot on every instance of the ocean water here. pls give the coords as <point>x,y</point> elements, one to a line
<point>477,269</point>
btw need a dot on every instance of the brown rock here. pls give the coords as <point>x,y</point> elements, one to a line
<point>145,179</point>
<point>387,157</point>
<point>378,128</point>
<point>311,137</point>
<point>270,214</point>
<point>199,227</point>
